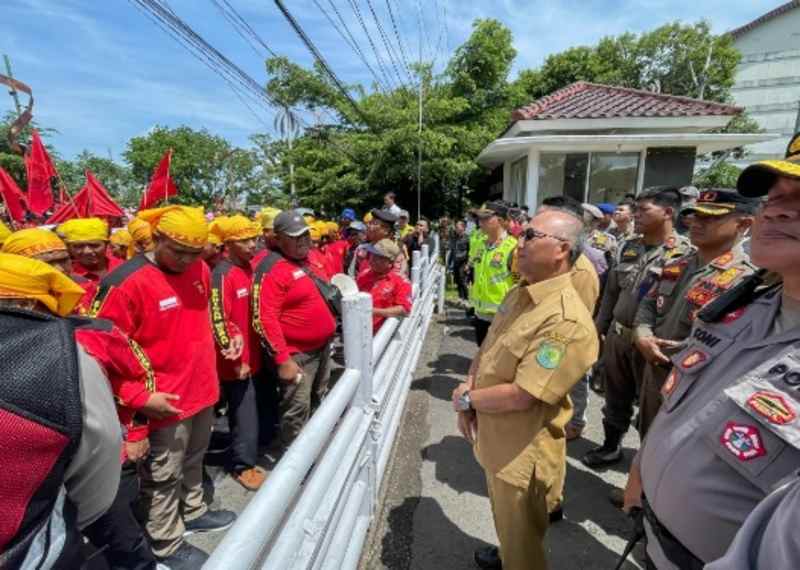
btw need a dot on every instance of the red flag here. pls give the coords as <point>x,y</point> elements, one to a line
<point>100,203</point>
<point>161,185</point>
<point>12,196</point>
<point>40,171</point>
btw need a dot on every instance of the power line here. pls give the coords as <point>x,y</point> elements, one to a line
<point>321,60</point>
<point>399,39</point>
<point>242,27</point>
<point>348,38</point>
<point>381,64</point>
<point>384,38</point>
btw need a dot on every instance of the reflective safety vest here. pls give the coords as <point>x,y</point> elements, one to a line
<point>493,277</point>
<point>477,241</point>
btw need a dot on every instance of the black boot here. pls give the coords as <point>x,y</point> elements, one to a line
<point>488,558</point>
<point>608,453</point>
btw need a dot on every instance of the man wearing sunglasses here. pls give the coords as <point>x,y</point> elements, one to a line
<point>514,404</point>
<point>717,222</point>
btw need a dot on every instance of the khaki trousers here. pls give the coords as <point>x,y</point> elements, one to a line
<point>520,519</point>
<point>650,399</point>
<point>299,401</point>
<point>172,480</point>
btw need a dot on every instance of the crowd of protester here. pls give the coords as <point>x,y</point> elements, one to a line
<point>125,350</point>
<point>657,304</point>
<point>150,338</point>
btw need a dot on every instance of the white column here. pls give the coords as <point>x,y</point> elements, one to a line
<point>640,172</point>
<point>532,179</point>
<point>357,339</point>
<point>507,180</point>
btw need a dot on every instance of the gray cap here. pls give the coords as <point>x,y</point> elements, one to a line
<point>404,214</point>
<point>384,216</point>
<point>290,223</point>
<point>357,226</point>
<point>689,193</point>
<point>593,210</point>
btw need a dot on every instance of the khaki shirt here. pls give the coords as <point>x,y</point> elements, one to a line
<point>586,282</point>
<point>727,433</point>
<point>630,279</point>
<point>684,287</point>
<point>604,241</point>
<point>543,340</point>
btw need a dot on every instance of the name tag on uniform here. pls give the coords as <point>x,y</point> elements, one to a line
<point>298,273</point>
<point>168,303</point>
<point>243,292</point>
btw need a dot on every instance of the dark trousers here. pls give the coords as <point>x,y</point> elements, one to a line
<point>623,373</point>
<point>460,277</point>
<point>650,398</point>
<point>243,422</point>
<point>117,533</point>
<point>268,398</point>
<point>481,328</point>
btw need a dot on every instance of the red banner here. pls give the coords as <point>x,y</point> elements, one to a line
<point>12,196</point>
<point>161,185</point>
<point>40,172</point>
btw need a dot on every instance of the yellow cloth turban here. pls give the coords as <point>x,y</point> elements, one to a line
<point>140,230</point>
<point>268,216</point>
<point>121,237</point>
<point>317,230</point>
<point>367,217</point>
<point>33,241</point>
<point>4,232</point>
<point>83,229</point>
<point>333,228</point>
<point>27,278</point>
<point>233,228</point>
<point>213,236</point>
<point>183,224</point>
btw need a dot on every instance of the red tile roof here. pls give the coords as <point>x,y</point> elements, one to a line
<point>782,9</point>
<point>583,100</point>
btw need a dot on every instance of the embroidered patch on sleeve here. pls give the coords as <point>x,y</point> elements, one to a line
<point>693,359</point>
<point>744,441</point>
<point>772,406</point>
<point>699,296</point>
<point>672,272</point>
<point>727,277</point>
<point>550,353</point>
<point>670,383</point>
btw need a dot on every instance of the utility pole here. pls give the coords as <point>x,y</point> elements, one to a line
<point>419,132</point>
<point>13,91</point>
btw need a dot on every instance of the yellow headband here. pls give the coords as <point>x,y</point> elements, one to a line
<point>268,216</point>
<point>32,242</point>
<point>183,224</point>
<point>83,229</point>
<point>4,232</point>
<point>27,278</point>
<point>233,228</point>
<point>121,237</point>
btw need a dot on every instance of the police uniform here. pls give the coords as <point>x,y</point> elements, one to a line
<point>543,340</point>
<point>604,241</point>
<point>668,311</point>
<point>629,280</point>
<point>727,433</point>
<point>492,280</point>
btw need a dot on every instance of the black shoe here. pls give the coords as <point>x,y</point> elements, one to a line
<point>488,558</point>
<point>557,515</point>
<point>187,557</point>
<point>602,456</point>
<point>211,521</point>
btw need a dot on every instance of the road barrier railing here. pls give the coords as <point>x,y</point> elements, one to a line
<point>315,509</point>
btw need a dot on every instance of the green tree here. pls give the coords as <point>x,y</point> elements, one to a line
<point>718,175</point>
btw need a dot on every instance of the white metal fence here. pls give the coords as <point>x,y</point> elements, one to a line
<point>315,509</point>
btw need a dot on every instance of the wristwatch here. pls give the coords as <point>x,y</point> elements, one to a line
<point>464,402</point>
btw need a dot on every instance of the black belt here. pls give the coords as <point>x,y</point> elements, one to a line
<point>676,552</point>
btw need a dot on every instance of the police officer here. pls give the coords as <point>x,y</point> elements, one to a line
<point>727,431</point>
<point>598,238</point>
<point>718,221</point>
<point>628,281</point>
<point>514,404</point>
<point>492,270</point>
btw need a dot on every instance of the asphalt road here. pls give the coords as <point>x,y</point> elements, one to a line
<point>435,509</point>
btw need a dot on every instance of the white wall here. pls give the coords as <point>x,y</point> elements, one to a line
<point>768,79</point>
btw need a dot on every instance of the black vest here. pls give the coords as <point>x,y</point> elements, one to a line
<point>40,401</point>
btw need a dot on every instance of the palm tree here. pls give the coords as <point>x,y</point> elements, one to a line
<point>288,126</point>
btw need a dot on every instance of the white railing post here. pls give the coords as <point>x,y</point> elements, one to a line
<point>357,338</point>
<point>442,283</point>
<point>415,270</point>
<point>425,262</point>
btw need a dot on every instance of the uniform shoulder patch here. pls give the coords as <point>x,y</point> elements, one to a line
<point>673,271</point>
<point>772,406</point>
<point>723,261</point>
<point>727,277</point>
<point>551,352</point>
<point>743,440</point>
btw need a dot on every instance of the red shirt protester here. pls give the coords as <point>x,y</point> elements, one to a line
<point>387,288</point>
<point>292,314</point>
<point>230,315</point>
<point>168,315</point>
<point>336,252</point>
<point>320,263</point>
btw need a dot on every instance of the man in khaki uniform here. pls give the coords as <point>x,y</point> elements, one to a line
<point>514,405</point>
<point>718,221</point>
<point>629,280</point>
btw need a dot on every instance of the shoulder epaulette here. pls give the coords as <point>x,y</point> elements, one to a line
<point>114,279</point>
<point>742,294</point>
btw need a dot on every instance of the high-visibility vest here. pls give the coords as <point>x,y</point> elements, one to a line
<point>477,240</point>
<point>493,277</point>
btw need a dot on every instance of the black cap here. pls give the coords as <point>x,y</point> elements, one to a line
<point>290,223</point>
<point>758,178</point>
<point>384,216</point>
<point>722,201</point>
<point>493,208</point>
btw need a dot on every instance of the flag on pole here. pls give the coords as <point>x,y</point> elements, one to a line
<point>12,196</point>
<point>40,170</point>
<point>161,185</point>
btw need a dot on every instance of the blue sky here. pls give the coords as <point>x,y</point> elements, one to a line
<point>102,72</point>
